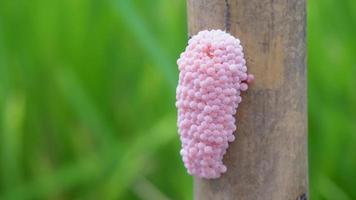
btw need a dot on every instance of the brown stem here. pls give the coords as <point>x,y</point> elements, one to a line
<point>268,159</point>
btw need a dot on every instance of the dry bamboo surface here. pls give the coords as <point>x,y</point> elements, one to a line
<point>268,159</point>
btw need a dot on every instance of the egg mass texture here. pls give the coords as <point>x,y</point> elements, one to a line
<point>212,75</point>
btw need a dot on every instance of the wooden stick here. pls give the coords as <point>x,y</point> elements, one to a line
<point>268,159</point>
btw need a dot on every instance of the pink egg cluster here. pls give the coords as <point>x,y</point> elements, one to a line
<point>212,75</point>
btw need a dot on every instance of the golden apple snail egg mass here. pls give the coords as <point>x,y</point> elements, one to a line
<point>212,75</point>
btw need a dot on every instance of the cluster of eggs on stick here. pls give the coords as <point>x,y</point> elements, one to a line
<point>212,75</point>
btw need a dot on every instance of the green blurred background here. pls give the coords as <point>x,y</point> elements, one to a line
<point>87,90</point>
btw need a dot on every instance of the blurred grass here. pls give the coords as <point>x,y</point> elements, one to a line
<point>87,99</point>
<point>332,98</point>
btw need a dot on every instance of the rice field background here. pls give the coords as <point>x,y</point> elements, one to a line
<point>87,91</point>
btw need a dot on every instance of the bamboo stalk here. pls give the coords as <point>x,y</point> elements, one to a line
<point>268,159</point>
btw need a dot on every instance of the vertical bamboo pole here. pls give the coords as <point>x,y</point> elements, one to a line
<point>268,159</point>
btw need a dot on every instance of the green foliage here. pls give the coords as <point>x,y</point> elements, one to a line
<point>332,99</point>
<point>87,90</point>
